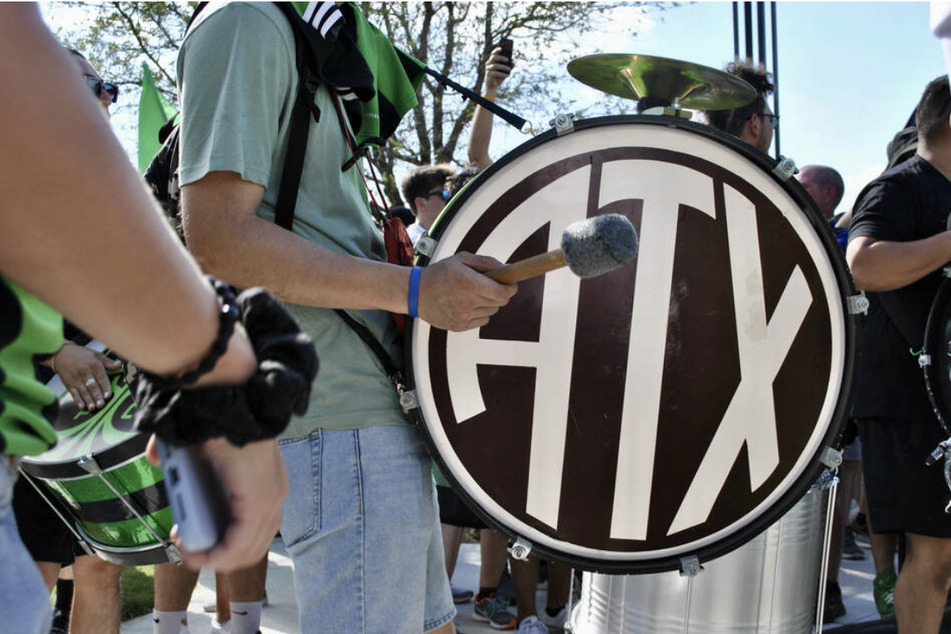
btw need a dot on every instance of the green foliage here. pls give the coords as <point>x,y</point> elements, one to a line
<point>453,38</point>
<point>117,37</point>
<point>137,591</point>
<point>456,38</point>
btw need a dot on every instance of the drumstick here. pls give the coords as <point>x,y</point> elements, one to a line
<point>589,248</point>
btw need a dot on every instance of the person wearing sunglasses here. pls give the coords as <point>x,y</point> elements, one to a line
<point>92,602</point>
<point>107,93</point>
<point>62,250</point>
<point>754,122</point>
<point>424,189</point>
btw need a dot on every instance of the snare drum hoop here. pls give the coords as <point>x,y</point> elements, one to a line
<point>939,316</point>
<point>797,207</point>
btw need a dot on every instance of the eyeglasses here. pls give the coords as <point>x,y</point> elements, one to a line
<point>442,193</point>
<point>97,86</point>
<point>773,119</point>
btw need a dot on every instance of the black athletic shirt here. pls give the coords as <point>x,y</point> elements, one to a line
<point>908,202</point>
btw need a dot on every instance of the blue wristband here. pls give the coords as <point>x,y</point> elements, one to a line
<point>414,291</point>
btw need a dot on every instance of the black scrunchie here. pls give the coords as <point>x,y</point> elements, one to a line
<point>259,409</point>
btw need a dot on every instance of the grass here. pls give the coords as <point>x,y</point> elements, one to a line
<point>137,591</point>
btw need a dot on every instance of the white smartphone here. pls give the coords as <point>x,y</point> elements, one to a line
<point>199,500</point>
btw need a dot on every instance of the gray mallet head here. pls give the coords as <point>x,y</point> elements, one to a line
<point>598,245</point>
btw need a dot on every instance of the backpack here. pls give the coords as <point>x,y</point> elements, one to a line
<point>313,61</point>
<point>162,172</point>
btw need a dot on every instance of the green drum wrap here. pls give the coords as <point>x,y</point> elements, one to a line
<point>97,474</point>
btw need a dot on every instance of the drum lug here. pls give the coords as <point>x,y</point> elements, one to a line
<point>563,124</point>
<point>408,401</point>
<point>690,566</point>
<point>785,168</point>
<point>520,550</point>
<point>924,360</point>
<point>88,462</point>
<point>831,458</point>
<point>425,245</point>
<point>858,304</point>
<point>946,271</point>
<point>174,554</point>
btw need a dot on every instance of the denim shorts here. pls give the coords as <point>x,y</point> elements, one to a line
<point>24,601</point>
<point>362,527</point>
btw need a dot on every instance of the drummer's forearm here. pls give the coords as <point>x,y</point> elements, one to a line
<point>882,265</point>
<point>232,242</point>
<point>88,240</point>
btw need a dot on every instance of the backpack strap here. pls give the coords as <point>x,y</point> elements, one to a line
<point>300,121</point>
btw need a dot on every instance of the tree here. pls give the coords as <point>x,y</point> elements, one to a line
<point>118,37</point>
<point>453,38</point>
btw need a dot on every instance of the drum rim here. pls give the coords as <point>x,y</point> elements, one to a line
<point>830,439</point>
<point>931,386</point>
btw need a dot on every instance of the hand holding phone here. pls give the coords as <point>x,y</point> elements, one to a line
<point>506,46</point>
<point>199,500</point>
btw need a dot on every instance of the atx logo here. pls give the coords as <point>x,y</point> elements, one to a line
<point>660,403</point>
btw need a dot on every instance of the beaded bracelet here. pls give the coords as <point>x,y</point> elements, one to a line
<point>257,409</point>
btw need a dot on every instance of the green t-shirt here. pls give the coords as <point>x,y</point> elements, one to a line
<point>29,329</point>
<point>238,81</point>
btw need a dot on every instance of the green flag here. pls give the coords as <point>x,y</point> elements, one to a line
<point>154,110</point>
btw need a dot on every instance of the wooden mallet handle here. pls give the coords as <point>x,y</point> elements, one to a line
<point>530,267</point>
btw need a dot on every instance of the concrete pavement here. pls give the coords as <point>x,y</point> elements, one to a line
<point>280,615</point>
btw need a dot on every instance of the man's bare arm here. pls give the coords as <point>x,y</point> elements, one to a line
<point>230,241</point>
<point>882,265</point>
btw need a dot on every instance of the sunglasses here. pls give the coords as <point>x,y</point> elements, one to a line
<point>773,119</point>
<point>97,86</point>
<point>442,193</point>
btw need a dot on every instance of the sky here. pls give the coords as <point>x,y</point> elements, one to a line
<point>849,75</point>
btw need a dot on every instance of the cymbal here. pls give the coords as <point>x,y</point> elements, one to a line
<point>658,81</point>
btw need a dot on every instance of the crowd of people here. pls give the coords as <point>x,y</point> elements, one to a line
<point>372,537</point>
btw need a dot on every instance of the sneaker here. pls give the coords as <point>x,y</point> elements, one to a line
<point>220,628</point>
<point>460,595</point>
<point>883,590</point>
<point>850,549</point>
<point>834,607</point>
<point>556,622</point>
<point>531,625</point>
<point>492,610</point>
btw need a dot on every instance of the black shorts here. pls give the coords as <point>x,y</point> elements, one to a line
<point>903,493</point>
<point>453,510</point>
<point>44,534</point>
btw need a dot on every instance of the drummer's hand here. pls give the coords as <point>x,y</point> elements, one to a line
<point>453,295</point>
<point>83,372</point>
<point>257,480</point>
<point>497,70</point>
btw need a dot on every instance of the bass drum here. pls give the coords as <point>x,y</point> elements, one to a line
<point>99,482</point>
<point>666,412</point>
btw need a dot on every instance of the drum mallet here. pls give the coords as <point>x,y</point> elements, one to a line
<point>589,248</point>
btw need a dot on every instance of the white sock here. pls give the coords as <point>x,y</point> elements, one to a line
<point>245,617</point>
<point>169,622</point>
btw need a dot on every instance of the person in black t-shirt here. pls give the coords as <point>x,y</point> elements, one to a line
<point>899,241</point>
